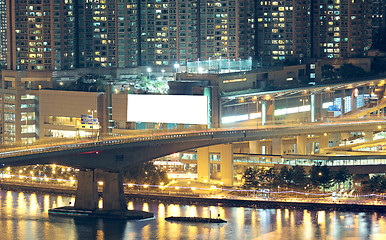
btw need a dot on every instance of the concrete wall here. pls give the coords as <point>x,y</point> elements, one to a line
<point>64,104</point>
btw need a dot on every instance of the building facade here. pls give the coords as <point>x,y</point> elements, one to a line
<point>378,16</point>
<point>41,35</point>
<point>3,33</point>
<point>56,35</point>
<point>341,28</point>
<point>59,35</point>
<point>313,29</point>
<point>168,32</point>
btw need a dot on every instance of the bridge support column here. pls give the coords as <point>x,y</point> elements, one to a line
<point>87,191</point>
<point>203,164</point>
<point>277,146</point>
<point>113,196</point>
<point>301,144</point>
<point>227,164</point>
<point>323,142</point>
<point>368,136</point>
<point>267,110</point>
<point>344,136</point>
<point>255,147</point>
<point>335,138</point>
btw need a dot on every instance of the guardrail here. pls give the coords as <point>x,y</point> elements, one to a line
<point>202,134</point>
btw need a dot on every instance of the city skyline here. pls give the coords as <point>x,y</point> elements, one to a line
<point>62,35</point>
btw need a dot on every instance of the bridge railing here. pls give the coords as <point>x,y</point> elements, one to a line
<point>112,140</point>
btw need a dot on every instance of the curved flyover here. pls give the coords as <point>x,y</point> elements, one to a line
<point>121,152</point>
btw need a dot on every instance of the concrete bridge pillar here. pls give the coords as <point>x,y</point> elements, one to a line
<point>227,164</point>
<point>267,110</point>
<point>113,195</point>
<point>335,138</point>
<point>87,191</point>
<point>301,144</point>
<point>277,146</point>
<point>368,136</point>
<point>255,147</point>
<point>203,164</point>
<point>288,147</point>
<point>323,141</point>
<point>344,136</point>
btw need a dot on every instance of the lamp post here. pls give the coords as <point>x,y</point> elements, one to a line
<point>176,66</point>
<point>148,71</point>
<point>163,73</point>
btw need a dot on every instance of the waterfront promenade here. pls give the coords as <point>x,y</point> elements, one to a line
<point>227,197</point>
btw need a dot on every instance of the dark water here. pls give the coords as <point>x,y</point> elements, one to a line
<point>24,216</point>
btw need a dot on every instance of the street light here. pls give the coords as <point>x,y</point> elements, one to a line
<point>149,71</point>
<point>176,66</point>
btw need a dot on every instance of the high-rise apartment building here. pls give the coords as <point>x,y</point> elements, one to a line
<point>3,33</point>
<point>97,32</point>
<point>317,29</point>
<point>40,34</point>
<point>378,20</point>
<point>341,28</point>
<point>283,30</point>
<point>163,32</point>
<point>67,34</point>
<point>54,34</point>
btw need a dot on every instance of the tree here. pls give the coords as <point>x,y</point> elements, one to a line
<point>379,40</point>
<point>347,71</point>
<point>284,178</point>
<point>259,178</point>
<point>376,184</point>
<point>88,82</point>
<point>328,73</point>
<point>325,178</point>
<point>145,173</point>
<point>298,176</point>
<point>265,178</point>
<point>342,175</point>
<point>249,177</point>
<point>320,176</point>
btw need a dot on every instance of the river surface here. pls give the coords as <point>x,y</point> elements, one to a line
<point>24,215</point>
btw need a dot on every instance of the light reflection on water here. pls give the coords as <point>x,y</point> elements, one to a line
<point>24,216</point>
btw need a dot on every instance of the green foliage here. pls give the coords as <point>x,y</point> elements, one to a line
<point>378,65</point>
<point>346,71</point>
<point>284,177</point>
<point>294,177</point>
<point>153,85</point>
<point>328,73</point>
<point>260,178</point>
<point>249,177</point>
<point>263,178</point>
<point>376,184</point>
<point>145,173</point>
<point>266,178</point>
<point>89,82</point>
<point>379,40</point>
<point>321,176</point>
<point>298,177</point>
<point>342,175</point>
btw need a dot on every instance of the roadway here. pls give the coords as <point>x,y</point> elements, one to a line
<point>117,153</point>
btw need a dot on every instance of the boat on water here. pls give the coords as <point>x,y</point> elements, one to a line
<point>196,219</point>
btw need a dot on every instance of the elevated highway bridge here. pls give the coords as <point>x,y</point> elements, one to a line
<point>106,158</point>
<point>117,153</point>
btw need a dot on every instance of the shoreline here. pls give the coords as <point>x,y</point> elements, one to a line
<point>197,200</point>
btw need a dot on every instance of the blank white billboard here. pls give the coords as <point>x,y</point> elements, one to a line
<point>167,109</point>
